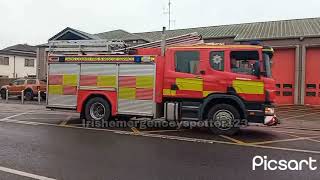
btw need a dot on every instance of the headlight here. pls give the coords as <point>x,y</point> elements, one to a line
<point>268,111</point>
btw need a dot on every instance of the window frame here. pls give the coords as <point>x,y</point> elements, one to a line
<point>35,81</point>
<point>21,80</point>
<point>27,61</point>
<point>242,50</point>
<point>180,51</point>
<point>223,61</point>
<point>3,59</point>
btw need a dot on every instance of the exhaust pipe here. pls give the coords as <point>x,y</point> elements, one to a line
<point>163,42</point>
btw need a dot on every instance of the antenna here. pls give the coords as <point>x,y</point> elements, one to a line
<point>169,15</point>
<point>169,6</point>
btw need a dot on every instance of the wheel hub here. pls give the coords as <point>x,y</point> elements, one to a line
<point>223,119</point>
<point>97,111</point>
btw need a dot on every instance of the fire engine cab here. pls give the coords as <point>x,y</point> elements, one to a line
<point>225,85</point>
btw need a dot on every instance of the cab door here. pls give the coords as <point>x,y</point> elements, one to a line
<point>213,73</point>
<point>182,78</point>
<point>242,68</point>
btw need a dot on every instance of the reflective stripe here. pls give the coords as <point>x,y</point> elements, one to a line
<point>192,84</point>
<point>70,79</point>
<point>88,80</point>
<point>144,94</point>
<point>127,93</point>
<point>248,87</point>
<point>55,79</point>
<point>169,92</point>
<point>206,93</point>
<point>69,90</point>
<point>106,81</point>
<point>127,81</point>
<point>55,89</point>
<point>144,81</point>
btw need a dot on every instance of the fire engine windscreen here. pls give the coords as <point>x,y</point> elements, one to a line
<point>244,62</point>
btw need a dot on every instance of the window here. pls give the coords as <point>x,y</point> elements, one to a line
<point>243,62</point>
<point>217,60</point>
<point>20,82</point>
<point>29,62</point>
<point>31,81</point>
<point>187,61</point>
<point>4,60</point>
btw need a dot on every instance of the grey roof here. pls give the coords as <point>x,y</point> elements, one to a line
<point>92,36</point>
<point>21,47</point>
<point>20,50</point>
<point>121,35</point>
<point>85,35</point>
<point>295,28</point>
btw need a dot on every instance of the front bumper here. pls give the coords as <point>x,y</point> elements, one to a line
<point>271,120</point>
<point>265,115</point>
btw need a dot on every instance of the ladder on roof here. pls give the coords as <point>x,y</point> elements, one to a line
<point>85,47</point>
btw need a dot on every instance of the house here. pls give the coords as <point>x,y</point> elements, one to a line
<point>296,42</point>
<point>18,61</point>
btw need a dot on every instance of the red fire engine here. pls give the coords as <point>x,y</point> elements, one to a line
<point>226,85</point>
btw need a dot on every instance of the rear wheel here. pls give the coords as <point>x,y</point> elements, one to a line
<point>43,96</point>
<point>223,119</point>
<point>97,109</point>
<point>28,95</point>
<point>3,94</point>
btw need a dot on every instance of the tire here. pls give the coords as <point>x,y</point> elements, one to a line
<point>43,96</point>
<point>3,94</point>
<point>223,119</point>
<point>97,109</point>
<point>28,95</point>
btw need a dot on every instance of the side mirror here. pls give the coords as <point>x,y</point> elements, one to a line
<point>256,69</point>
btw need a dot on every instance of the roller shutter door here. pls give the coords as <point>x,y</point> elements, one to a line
<point>284,74</point>
<point>312,84</point>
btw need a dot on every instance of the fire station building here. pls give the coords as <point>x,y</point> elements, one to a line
<point>296,63</point>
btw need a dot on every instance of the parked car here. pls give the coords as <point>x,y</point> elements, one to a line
<point>31,87</point>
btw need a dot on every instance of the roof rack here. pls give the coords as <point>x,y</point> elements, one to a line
<point>86,47</point>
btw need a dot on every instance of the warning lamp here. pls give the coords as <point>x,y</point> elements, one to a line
<point>256,43</point>
<point>269,111</point>
<point>137,59</point>
<point>62,59</point>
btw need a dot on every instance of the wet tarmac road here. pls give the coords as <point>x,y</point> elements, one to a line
<point>53,145</point>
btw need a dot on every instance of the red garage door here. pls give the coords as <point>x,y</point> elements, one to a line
<point>312,87</point>
<point>283,72</point>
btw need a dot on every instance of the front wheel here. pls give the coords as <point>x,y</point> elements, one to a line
<point>97,109</point>
<point>223,119</point>
<point>3,94</point>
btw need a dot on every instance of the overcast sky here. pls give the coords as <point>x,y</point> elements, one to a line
<point>35,21</point>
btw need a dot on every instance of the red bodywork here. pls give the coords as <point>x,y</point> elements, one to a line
<point>110,95</point>
<point>213,81</point>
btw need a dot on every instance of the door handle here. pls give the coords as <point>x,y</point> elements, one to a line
<point>174,87</point>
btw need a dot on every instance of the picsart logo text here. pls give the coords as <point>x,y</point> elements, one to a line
<point>283,165</point>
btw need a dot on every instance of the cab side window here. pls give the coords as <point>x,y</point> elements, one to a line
<point>187,62</point>
<point>31,82</point>
<point>217,60</point>
<point>243,62</point>
<point>20,82</point>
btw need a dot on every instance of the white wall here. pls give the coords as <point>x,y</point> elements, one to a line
<point>20,69</point>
